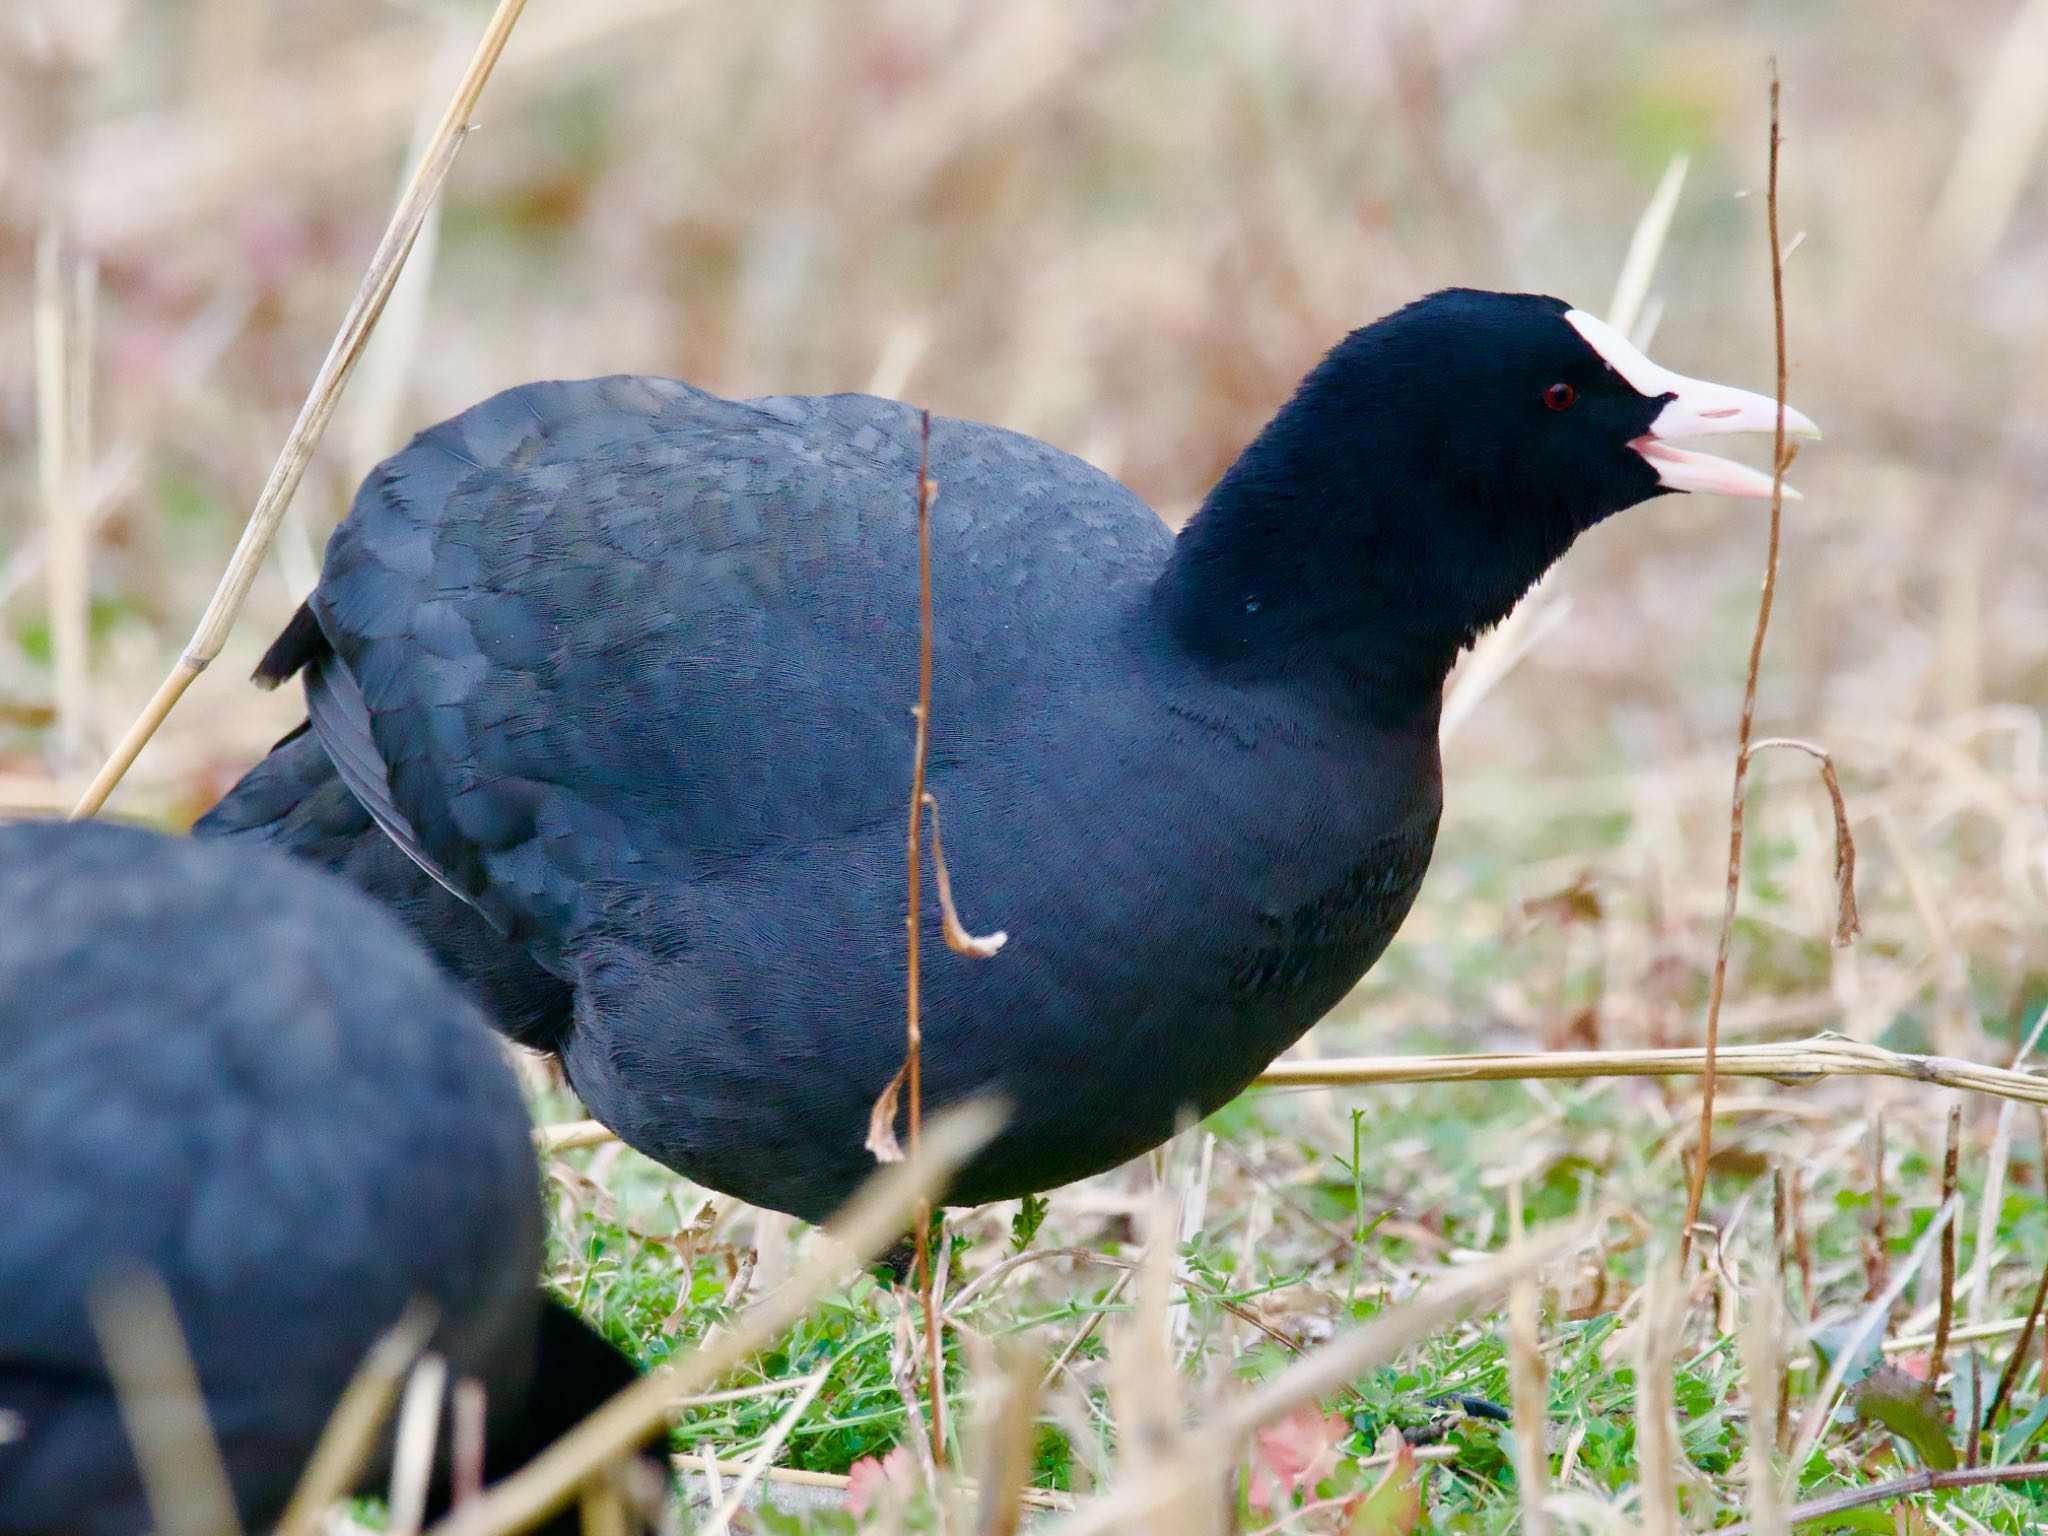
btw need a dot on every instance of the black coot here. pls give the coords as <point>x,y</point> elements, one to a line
<point>241,1075</point>
<point>609,687</point>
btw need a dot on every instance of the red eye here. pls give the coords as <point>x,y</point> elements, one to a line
<point>1559,396</point>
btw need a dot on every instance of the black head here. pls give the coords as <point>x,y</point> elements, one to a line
<point>1429,470</point>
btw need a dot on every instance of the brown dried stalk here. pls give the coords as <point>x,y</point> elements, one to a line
<point>914,1031</point>
<point>1924,1481</point>
<point>2010,1374</point>
<point>1698,1189</point>
<point>304,437</point>
<point>1945,1319</point>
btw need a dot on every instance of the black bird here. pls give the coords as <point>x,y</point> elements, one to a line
<point>239,1074</point>
<point>608,690</point>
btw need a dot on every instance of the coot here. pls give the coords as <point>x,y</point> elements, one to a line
<point>609,688</point>
<point>236,1072</point>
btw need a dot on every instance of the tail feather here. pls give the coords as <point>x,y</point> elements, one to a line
<point>301,643</point>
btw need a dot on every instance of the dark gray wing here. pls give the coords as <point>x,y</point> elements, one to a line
<point>623,629</point>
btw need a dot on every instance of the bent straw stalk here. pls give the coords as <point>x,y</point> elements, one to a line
<point>1793,1063</point>
<point>304,437</point>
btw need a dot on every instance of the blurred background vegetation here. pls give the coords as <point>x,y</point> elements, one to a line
<point>1127,227</point>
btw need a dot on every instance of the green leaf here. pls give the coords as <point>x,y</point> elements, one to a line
<point>1907,1407</point>
<point>1029,1218</point>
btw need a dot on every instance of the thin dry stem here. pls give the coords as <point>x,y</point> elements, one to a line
<point>913,1050</point>
<point>1796,1061</point>
<point>1528,1384</point>
<point>1763,1369</point>
<point>314,415</point>
<point>412,1457</point>
<point>1632,287</point>
<point>1738,797</point>
<point>2018,1357</point>
<point>1006,1454</point>
<point>958,939</point>
<point>1792,1063</point>
<point>157,1392</point>
<point>1658,1449</point>
<point>63,355</point>
<point>1924,1481</point>
<point>1945,1318</point>
<point>1848,921</point>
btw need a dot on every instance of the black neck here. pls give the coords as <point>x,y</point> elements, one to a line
<point>1302,566</point>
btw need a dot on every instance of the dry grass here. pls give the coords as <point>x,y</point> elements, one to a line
<point>1127,227</point>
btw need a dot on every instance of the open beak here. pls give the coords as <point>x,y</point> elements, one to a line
<point>1692,408</point>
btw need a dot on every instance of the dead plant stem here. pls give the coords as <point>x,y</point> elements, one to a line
<point>1718,989</point>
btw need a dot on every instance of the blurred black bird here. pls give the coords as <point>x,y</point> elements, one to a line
<point>608,686</point>
<point>240,1075</point>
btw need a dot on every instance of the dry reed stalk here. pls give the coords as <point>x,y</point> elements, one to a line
<point>412,1457</point>
<point>1007,1451</point>
<point>1802,1246</point>
<point>1658,1450</point>
<point>2005,133</point>
<point>1924,1481</point>
<point>1794,1063</point>
<point>351,1431</point>
<point>872,1221</point>
<point>314,415</point>
<point>1199,1451</point>
<point>1144,1387</point>
<point>1528,1386</point>
<point>64,287</point>
<point>1764,1377</point>
<point>1877,1261</point>
<point>157,1392</point>
<point>601,1506</point>
<point>1738,798</point>
<point>1946,1316</point>
<point>1645,245</point>
<point>1991,1202</point>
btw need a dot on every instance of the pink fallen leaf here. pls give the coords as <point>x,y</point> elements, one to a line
<point>1298,1452</point>
<point>875,1476</point>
